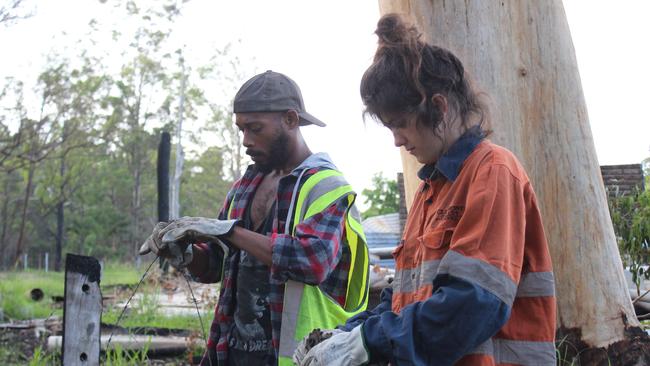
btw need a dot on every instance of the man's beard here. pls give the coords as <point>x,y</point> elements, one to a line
<point>278,154</point>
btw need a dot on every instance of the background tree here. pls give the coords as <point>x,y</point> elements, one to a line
<point>631,219</point>
<point>383,196</point>
<point>204,186</point>
<point>225,71</point>
<point>76,105</point>
<point>77,149</point>
<point>13,10</point>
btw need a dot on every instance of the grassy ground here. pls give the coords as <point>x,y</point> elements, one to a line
<point>16,286</point>
<point>117,281</point>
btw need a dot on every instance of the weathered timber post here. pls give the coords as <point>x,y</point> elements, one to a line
<point>82,311</point>
<point>522,55</point>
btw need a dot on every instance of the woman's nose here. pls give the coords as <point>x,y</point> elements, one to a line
<point>398,139</point>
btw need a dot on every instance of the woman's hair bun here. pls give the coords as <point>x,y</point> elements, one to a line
<point>393,30</point>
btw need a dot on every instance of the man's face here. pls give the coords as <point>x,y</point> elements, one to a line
<point>265,139</point>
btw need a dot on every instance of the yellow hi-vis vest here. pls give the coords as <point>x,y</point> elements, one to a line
<point>305,306</point>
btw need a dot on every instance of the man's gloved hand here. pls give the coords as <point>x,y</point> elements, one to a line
<point>173,240</point>
<point>342,349</point>
<point>308,343</point>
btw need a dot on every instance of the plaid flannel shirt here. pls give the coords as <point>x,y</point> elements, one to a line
<point>313,255</point>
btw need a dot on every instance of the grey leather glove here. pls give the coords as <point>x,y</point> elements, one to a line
<point>309,341</point>
<point>173,240</point>
<point>341,349</point>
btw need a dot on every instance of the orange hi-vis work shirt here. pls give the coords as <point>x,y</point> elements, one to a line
<point>483,229</point>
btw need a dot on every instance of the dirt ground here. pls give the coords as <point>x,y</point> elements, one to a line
<point>17,346</point>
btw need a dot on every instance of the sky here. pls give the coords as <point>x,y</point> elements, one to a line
<point>325,46</point>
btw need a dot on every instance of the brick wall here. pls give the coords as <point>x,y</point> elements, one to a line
<point>402,201</point>
<point>622,179</point>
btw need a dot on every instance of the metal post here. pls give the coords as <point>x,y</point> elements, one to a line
<point>47,261</point>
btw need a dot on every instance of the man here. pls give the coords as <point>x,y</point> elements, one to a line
<point>287,246</point>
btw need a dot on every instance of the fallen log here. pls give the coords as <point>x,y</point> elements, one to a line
<point>155,345</point>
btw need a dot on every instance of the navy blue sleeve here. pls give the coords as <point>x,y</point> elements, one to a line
<point>457,318</point>
<point>386,299</point>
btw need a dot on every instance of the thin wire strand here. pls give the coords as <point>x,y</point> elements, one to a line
<point>198,312</point>
<point>127,303</point>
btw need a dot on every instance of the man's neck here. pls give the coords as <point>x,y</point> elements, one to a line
<point>298,155</point>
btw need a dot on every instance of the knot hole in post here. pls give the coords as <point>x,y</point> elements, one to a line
<point>85,289</point>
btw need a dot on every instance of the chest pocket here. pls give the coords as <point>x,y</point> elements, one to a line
<point>435,243</point>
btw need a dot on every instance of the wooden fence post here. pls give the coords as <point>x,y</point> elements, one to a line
<point>82,311</point>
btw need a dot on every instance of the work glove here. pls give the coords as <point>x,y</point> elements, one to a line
<point>173,240</point>
<point>309,341</point>
<point>342,349</point>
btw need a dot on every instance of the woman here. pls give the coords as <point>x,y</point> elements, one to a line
<point>474,283</point>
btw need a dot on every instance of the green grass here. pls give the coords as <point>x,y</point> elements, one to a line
<point>16,286</point>
<point>15,299</point>
<point>17,304</point>
<point>188,322</point>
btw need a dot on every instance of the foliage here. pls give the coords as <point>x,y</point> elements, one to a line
<point>11,11</point>
<point>204,186</point>
<point>119,357</point>
<point>383,196</point>
<point>40,358</point>
<point>78,150</point>
<point>631,218</point>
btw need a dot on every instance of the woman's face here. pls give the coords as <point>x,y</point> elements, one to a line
<point>420,141</point>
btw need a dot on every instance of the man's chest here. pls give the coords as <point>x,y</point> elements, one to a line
<point>262,201</point>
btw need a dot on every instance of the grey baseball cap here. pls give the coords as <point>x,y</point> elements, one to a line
<point>272,92</point>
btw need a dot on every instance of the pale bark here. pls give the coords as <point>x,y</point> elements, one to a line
<point>521,54</point>
<point>175,208</point>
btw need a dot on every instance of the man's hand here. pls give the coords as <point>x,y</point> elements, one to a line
<point>342,349</point>
<point>174,240</point>
<point>196,229</point>
<point>309,341</point>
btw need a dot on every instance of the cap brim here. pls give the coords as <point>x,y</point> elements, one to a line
<point>308,119</point>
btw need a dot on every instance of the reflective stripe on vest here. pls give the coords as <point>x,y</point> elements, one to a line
<point>306,307</point>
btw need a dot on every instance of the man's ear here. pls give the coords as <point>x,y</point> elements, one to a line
<point>292,119</point>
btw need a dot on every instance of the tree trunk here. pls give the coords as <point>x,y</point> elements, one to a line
<point>521,54</point>
<point>23,216</point>
<point>4,218</point>
<point>60,218</point>
<point>175,208</point>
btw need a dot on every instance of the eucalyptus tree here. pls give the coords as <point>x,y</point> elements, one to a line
<point>76,109</point>
<point>224,75</point>
<point>204,185</point>
<point>23,151</point>
<point>139,94</point>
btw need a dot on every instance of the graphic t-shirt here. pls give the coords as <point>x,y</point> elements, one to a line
<point>250,339</point>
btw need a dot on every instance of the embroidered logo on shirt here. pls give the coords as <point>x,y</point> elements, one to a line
<point>451,213</point>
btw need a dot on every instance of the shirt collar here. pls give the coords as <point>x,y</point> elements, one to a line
<point>316,160</point>
<point>451,161</point>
